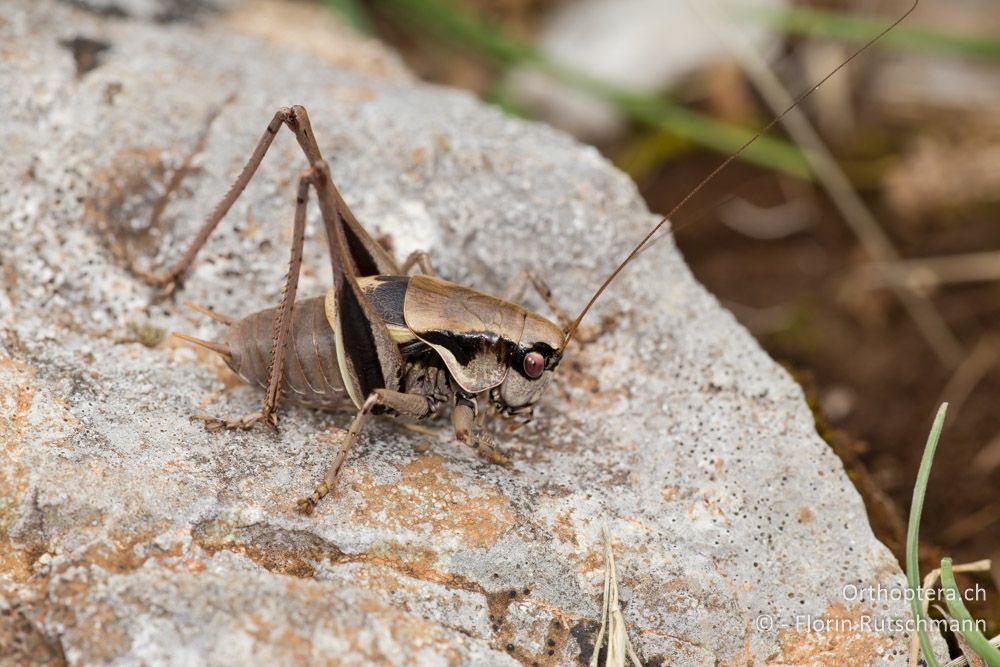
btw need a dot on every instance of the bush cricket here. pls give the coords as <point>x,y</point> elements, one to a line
<point>388,342</point>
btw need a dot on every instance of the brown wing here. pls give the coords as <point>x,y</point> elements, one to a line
<point>473,332</point>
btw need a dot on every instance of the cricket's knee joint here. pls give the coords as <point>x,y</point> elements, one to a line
<point>539,284</point>
<point>319,169</point>
<point>294,114</point>
<point>377,397</point>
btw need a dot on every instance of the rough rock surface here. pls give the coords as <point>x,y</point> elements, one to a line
<point>131,535</point>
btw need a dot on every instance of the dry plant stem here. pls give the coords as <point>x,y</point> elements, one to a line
<point>988,458</point>
<point>974,524</point>
<point>612,620</point>
<point>967,268</point>
<point>976,365</point>
<point>829,174</point>
<point>964,647</point>
<point>964,662</point>
<point>931,581</point>
<point>605,600</point>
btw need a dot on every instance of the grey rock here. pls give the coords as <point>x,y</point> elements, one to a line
<point>133,536</point>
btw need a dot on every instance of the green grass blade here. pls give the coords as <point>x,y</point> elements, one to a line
<point>913,535</point>
<point>723,137</point>
<point>953,598</point>
<point>859,29</point>
<point>352,13</point>
<point>466,29</point>
<point>502,96</point>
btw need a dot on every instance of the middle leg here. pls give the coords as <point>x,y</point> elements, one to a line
<point>408,405</point>
<point>419,258</point>
<point>517,286</point>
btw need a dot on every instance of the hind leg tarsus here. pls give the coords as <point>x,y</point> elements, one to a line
<point>245,423</point>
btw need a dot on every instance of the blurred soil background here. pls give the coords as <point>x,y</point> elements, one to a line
<point>880,316</point>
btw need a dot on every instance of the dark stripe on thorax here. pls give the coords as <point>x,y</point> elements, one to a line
<point>466,345</point>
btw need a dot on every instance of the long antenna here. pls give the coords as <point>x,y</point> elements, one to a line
<point>571,331</point>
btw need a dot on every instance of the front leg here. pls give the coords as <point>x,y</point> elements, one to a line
<point>416,406</point>
<point>468,430</point>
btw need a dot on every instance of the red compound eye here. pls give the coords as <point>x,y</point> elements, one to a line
<point>534,364</point>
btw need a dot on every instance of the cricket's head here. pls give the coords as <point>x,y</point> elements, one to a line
<point>488,346</point>
<point>530,368</point>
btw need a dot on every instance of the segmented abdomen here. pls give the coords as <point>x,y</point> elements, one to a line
<point>312,377</point>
